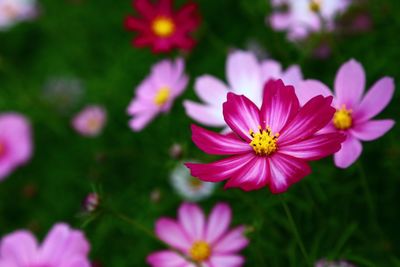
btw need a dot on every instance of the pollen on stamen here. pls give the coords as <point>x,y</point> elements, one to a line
<point>264,142</point>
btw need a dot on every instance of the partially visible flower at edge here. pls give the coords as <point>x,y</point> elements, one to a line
<point>14,11</point>
<point>326,263</point>
<point>90,121</point>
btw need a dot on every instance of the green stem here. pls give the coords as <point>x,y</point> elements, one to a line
<point>295,231</point>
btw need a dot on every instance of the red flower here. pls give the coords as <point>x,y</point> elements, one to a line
<point>161,27</point>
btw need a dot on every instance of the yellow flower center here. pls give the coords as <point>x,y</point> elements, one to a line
<point>264,142</point>
<point>200,251</point>
<point>163,26</point>
<point>342,118</point>
<point>315,5</point>
<point>93,124</point>
<point>162,96</point>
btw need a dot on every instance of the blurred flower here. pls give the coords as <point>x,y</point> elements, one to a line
<point>15,142</point>
<point>63,246</point>
<point>301,17</point>
<point>157,92</point>
<point>14,11</point>
<point>91,203</point>
<point>245,76</point>
<point>161,27</point>
<point>326,263</point>
<point>155,195</point>
<point>176,151</point>
<point>271,146</point>
<point>189,187</point>
<point>90,121</point>
<point>194,239</point>
<point>323,50</point>
<point>354,112</point>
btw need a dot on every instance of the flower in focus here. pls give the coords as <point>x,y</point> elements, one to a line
<point>196,240</point>
<point>189,187</point>
<point>326,263</point>
<point>15,142</point>
<point>91,202</point>
<point>161,27</point>
<point>301,17</point>
<point>90,121</point>
<point>157,92</point>
<point>246,76</point>
<point>14,11</point>
<point>63,246</point>
<point>354,112</point>
<point>268,147</point>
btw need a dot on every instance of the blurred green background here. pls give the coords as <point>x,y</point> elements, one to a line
<point>85,39</point>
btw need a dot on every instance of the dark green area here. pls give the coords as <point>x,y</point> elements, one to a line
<point>85,39</point>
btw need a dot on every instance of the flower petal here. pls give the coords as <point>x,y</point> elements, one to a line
<point>377,98</point>
<point>232,242</point>
<point>193,221</point>
<point>371,130</point>
<point>241,115</point>
<point>218,222</point>
<point>204,114</point>
<point>350,152</point>
<point>144,8</point>
<point>350,83</point>
<point>226,261</point>
<point>139,121</point>
<point>308,89</point>
<point>19,247</point>
<point>271,69</point>
<point>211,90</point>
<point>167,258</point>
<point>172,233</point>
<point>292,76</point>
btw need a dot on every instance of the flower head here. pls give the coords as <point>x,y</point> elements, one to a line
<point>63,246</point>
<point>161,27</point>
<point>246,76</point>
<point>15,142</point>
<point>157,92</point>
<point>90,121</point>
<point>14,11</point>
<point>91,203</point>
<point>195,239</point>
<point>269,146</point>
<point>305,16</point>
<point>354,112</point>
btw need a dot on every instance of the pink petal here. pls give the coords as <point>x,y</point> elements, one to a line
<point>192,219</point>
<point>173,234</point>
<point>204,114</point>
<point>316,147</point>
<point>76,261</point>
<point>19,247</point>
<point>312,117</point>
<point>280,21</point>
<point>218,222</point>
<point>218,144</point>
<point>241,115</point>
<point>371,130</point>
<point>271,69</point>
<point>350,83</point>
<point>280,105</point>
<point>8,263</point>
<point>144,8</point>
<point>292,76</point>
<point>308,89</point>
<point>285,171</point>
<point>377,98</point>
<point>211,90</point>
<point>167,258</point>
<point>232,242</point>
<point>135,24</point>
<point>139,121</point>
<point>226,261</point>
<point>350,152</point>
<point>219,170</point>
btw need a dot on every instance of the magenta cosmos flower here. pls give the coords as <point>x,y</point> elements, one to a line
<point>268,147</point>
<point>246,76</point>
<point>157,92</point>
<point>63,247</point>
<point>301,17</point>
<point>354,112</point>
<point>90,121</point>
<point>15,142</point>
<point>196,241</point>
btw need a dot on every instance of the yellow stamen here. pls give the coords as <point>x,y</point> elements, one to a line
<point>342,118</point>
<point>163,26</point>
<point>93,124</point>
<point>200,251</point>
<point>315,5</point>
<point>162,96</point>
<point>264,143</point>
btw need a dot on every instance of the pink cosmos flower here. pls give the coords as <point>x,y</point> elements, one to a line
<point>157,92</point>
<point>300,17</point>
<point>63,247</point>
<point>268,147</point>
<point>14,11</point>
<point>354,112</point>
<point>15,142</point>
<point>90,121</point>
<point>196,241</point>
<point>246,76</point>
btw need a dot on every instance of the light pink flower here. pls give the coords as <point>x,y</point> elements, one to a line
<point>157,92</point>
<point>246,76</point>
<point>15,142</point>
<point>14,11</point>
<point>354,112</point>
<point>90,121</point>
<point>195,239</point>
<point>268,147</point>
<point>63,247</point>
<point>304,16</point>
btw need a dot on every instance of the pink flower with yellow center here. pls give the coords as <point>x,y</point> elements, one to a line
<point>90,121</point>
<point>197,241</point>
<point>354,112</point>
<point>270,146</point>
<point>157,92</point>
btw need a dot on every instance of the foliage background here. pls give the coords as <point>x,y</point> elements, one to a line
<point>85,39</point>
